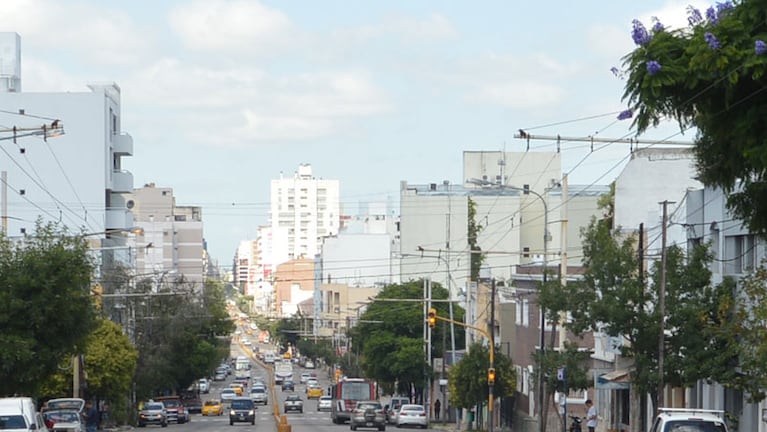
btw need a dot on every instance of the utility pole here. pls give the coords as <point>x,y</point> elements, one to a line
<point>490,384</point>
<point>563,264</point>
<point>662,305</point>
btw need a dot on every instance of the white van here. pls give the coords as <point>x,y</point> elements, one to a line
<point>19,414</point>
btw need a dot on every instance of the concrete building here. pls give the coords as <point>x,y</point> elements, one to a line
<point>171,245</point>
<point>76,179</point>
<point>294,282</point>
<point>341,307</point>
<point>308,208</point>
<point>736,252</point>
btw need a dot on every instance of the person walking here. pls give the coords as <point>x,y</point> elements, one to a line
<point>437,409</point>
<point>91,416</point>
<point>591,416</point>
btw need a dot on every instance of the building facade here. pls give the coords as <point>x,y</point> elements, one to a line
<point>171,244</point>
<point>77,178</point>
<point>306,209</point>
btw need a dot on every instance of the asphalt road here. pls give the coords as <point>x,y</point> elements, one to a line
<point>310,420</point>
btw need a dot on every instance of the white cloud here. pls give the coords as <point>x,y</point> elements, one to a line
<point>231,26</point>
<point>518,94</point>
<point>95,33</point>
<point>407,29</point>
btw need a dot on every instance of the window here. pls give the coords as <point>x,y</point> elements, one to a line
<point>523,312</point>
<point>739,254</point>
<point>526,252</point>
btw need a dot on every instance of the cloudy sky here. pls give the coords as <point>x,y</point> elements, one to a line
<point>221,96</point>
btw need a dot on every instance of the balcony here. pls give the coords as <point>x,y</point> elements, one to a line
<point>122,145</point>
<point>117,219</point>
<point>122,181</point>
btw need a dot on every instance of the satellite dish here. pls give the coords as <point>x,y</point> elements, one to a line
<point>130,204</point>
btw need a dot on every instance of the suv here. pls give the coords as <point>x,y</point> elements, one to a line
<point>242,409</point>
<point>153,413</point>
<point>174,409</point>
<point>689,419</point>
<point>368,414</point>
<point>393,408</point>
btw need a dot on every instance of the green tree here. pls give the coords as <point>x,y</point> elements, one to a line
<point>110,363</point>
<point>711,76</point>
<point>46,311</point>
<point>468,378</point>
<point>179,335</point>
<point>473,231</point>
<point>390,335</point>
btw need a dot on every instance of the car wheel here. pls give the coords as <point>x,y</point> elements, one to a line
<point>353,427</point>
<point>231,423</point>
<point>164,424</point>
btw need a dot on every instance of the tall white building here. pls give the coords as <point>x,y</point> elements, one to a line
<point>308,208</point>
<point>75,179</point>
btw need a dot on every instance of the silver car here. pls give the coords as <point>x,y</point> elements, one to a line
<point>64,420</point>
<point>325,403</point>
<point>368,414</point>
<point>412,415</point>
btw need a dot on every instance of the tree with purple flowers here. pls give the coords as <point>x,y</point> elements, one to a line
<point>710,76</point>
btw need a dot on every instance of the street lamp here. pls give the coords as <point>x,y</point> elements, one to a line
<point>526,190</point>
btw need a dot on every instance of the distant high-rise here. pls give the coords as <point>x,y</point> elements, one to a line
<point>304,210</point>
<point>10,62</point>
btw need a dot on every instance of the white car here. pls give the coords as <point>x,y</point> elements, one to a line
<point>412,415</point>
<point>309,364</point>
<point>304,377</point>
<point>325,403</point>
<point>312,382</point>
<point>227,395</point>
<point>204,385</point>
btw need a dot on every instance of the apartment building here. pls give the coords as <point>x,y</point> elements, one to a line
<point>306,209</point>
<point>171,243</point>
<point>76,179</point>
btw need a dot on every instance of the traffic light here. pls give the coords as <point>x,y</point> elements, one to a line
<point>491,376</point>
<point>432,317</point>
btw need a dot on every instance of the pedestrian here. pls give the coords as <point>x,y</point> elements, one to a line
<point>437,408</point>
<point>91,416</point>
<point>591,416</point>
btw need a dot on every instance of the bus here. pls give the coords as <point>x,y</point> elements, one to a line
<point>346,393</point>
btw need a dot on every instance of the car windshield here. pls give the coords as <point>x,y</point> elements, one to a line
<point>258,390</point>
<point>693,426</point>
<point>242,404</point>
<point>227,391</point>
<point>293,398</point>
<point>153,407</point>
<point>12,422</point>
<point>211,403</point>
<point>171,404</point>
<point>368,405</point>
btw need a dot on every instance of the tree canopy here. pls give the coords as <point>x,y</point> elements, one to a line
<point>46,311</point>
<point>390,336</point>
<point>711,76</point>
<point>468,378</point>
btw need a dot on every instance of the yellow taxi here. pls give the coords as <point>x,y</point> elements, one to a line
<point>237,387</point>
<point>314,392</point>
<point>212,407</point>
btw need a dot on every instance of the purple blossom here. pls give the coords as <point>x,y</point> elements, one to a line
<point>711,15</point>
<point>723,6</point>
<point>625,114</point>
<point>657,26</point>
<point>693,16</point>
<point>617,72</point>
<point>653,67</point>
<point>711,40</point>
<point>760,47</point>
<point>639,33</point>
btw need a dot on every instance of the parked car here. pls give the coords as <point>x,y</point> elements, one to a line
<point>212,407</point>
<point>325,403</point>
<point>153,413</point>
<point>228,394</point>
<point>293,403</point>
<point>412,415</point>
<point>368,414</point>
<point>258,395</point>
<point>63,420</point>
<point>242,409</point>
<point>393,408</point>
<point>204,385</point>
<point>174,409</point>
<point>288,385</point>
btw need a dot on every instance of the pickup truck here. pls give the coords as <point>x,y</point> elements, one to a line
<point>669,419</point>
<point>175,410</point>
